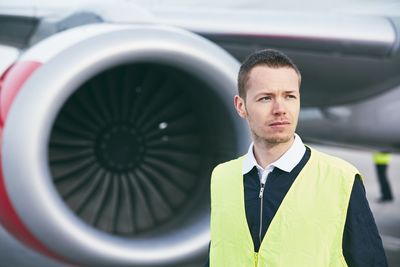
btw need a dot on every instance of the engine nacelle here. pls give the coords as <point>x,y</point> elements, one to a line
<point>110,135</point>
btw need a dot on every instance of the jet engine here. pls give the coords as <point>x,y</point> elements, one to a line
<point>109,137</point>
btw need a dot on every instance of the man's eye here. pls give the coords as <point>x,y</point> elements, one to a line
<point>291,96</point>
<point>265,98</point>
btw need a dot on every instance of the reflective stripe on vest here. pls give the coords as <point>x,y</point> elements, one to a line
<point>307,229</point>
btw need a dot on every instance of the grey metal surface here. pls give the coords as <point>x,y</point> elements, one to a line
<point>47,216</point>
<point>15,254</point>
<point>345,55</point>
<point>347,34</point>
<point>374,122</point>
<point>8,56</point>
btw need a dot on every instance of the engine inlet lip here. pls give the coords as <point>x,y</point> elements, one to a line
<point>75,239</point>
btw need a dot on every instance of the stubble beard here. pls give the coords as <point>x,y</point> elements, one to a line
<point>271,141</point>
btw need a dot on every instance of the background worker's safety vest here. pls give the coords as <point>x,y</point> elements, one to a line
<point>307,229</point>
<point>382,158</point>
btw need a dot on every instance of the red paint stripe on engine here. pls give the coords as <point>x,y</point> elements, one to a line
<point>11,82</point>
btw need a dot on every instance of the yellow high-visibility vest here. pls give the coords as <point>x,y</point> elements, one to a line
<point>307,229</point>
<point>382,158</point>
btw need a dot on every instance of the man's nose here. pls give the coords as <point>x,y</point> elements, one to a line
<point>278,107</point>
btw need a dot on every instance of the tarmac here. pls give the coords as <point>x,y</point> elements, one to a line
<point>387,215</point>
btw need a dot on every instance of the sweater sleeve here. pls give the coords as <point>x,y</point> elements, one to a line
<point>362,245</point>
<point>207,264</point>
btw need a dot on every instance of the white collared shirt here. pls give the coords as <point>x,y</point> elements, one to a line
<point>286,162</point>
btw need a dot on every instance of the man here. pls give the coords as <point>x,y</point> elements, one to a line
<point>382,160</point>
<point>284,204</point>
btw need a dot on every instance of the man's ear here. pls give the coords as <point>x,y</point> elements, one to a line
<point>240,106</point>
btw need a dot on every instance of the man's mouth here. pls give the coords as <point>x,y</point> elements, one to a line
<point>279,123</point>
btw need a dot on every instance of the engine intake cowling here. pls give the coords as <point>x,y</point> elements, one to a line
<point>109,144</point>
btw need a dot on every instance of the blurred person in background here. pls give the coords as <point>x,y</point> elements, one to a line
<point>382,160</point>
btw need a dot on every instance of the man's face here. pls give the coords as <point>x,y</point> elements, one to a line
<point>272,104</point>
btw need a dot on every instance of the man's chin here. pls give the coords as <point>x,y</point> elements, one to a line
<point>273,138</point>
<point>279,139</point>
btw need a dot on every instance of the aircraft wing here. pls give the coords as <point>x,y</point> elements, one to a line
<point>348,56</point>
<point>113,116</point>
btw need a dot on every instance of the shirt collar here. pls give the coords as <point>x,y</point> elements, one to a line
<point>286,162</point>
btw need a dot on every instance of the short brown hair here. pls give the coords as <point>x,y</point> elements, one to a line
<point>269,57</point>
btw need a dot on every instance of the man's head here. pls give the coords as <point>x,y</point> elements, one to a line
<point>269,96</point>
<point>267,57</point>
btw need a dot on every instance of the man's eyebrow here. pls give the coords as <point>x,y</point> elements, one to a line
<point>264,94</point>
<point>290,91</point>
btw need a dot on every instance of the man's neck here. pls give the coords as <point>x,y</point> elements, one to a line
<point>265,153</point>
